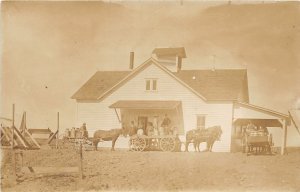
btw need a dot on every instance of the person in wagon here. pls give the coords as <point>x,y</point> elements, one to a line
<point>166,124</point>
<point>83,131</point>
<point>251,127</point>
<point>150,129</point>
<point>140,130</point>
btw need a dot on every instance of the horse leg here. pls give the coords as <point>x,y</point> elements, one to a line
<point>187,146</point>
<point>113,144</point>
<point>195,146</point>
<point>207,146</point>
<point>95,143</point>
<point>211,146</point>
<point>198,146</point>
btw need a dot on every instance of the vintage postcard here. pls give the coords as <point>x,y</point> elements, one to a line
<point>172,95</point>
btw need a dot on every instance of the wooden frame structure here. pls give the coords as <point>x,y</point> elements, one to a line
<point>20,139</point>
<point>285,119</point>
<point>44,169</point>
<point>23,137</point>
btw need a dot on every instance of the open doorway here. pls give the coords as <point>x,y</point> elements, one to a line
<point>142,122</point>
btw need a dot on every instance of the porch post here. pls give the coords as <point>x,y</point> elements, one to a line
<point>284,135</point>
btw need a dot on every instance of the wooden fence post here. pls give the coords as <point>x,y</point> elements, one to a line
<point>80,162</point>
<point>13,146</point>
<point>13,125</point>
<point>57,134</point>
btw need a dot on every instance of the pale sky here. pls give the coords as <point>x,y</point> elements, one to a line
<point>49,49</point>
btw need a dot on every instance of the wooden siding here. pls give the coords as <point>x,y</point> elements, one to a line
<point>99,116</point>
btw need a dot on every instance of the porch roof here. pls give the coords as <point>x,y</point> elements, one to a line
<point>259,122</point>
<point>145,104</point>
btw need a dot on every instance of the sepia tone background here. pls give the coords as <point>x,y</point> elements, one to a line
<point>49,49</point>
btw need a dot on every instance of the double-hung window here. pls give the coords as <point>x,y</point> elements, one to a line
<point>201,121</point>
<point>151,84</point>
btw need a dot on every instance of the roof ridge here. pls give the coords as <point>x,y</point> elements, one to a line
<point>113,71</point>
<point>211,70</point>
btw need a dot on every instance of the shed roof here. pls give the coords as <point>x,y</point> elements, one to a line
<point>259,122</point>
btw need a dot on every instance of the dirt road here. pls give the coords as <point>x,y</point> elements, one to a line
<point>163,171</point>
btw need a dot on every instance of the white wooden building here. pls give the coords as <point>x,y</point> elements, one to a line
<point>160,86</point>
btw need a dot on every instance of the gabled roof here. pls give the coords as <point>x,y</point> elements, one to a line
<point>98,84</point>
<point>219,84</point>
<point>179,51</point>
<point>225,85</point>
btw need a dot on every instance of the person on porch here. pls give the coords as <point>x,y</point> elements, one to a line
<point>166,125</point>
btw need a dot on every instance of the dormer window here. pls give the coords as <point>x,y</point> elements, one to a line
<point>151,84</point>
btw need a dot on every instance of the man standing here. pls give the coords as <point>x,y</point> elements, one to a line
<point>83,131</point>
<point>166,124</point>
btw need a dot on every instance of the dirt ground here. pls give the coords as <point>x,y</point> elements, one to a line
<point>157,171</point>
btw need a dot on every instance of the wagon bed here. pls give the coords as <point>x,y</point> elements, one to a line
<point>154,142</point>
<point>261,141</point>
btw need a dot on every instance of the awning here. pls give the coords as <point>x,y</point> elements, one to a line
<point>145,104</point>
<point>259,122</point>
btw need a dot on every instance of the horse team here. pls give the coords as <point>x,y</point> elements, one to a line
<point>195,136</point>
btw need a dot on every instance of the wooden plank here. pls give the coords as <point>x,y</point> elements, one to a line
<point>51,138</point>
<point>22,140</point>
<point>2,137</point>
<point>34,141</point>
<point>8,133</point>
<point>31,169</point>
<point>50,170</point>
<point>118,115</point>
<point>5,147</point>
<point>5,134</point>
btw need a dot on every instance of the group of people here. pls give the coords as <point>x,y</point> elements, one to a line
<point>77,132</point>
<point>253,128</point>
<point>152,128</point>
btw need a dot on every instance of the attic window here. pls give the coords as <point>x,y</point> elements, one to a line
<point>151,84</point>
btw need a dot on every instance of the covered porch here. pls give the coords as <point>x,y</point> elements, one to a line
<point>150,113</point>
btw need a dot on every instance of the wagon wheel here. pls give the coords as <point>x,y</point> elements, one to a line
<point>137,144</point>
<point>167,144</point>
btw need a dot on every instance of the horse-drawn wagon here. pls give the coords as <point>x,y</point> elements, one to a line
<point>76,137</point>
<point>257,141</point>
<point>154,142</point>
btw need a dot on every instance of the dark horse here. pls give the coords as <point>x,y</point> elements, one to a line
<point>108,135</point>
<point>209,135</point>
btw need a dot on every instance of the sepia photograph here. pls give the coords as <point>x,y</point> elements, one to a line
<point>150,95</point>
